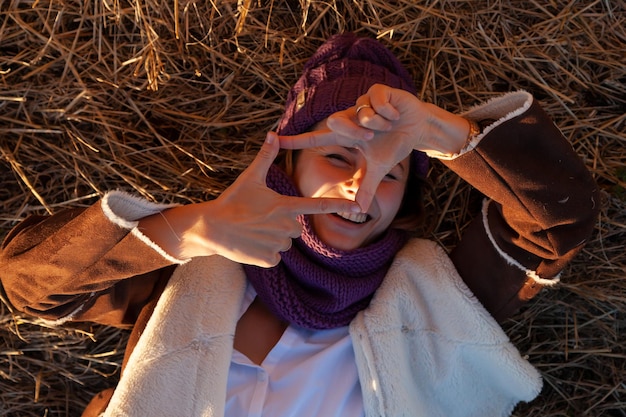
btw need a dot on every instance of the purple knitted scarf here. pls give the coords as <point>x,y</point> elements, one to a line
<point>316,286</point>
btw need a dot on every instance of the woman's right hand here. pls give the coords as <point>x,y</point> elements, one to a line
<point>248,223</point>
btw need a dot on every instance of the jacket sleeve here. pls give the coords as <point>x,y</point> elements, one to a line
<point>85,264</point>
<point>541,205</point>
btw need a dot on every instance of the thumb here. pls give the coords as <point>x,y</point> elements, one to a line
<point>368,187</point>
<point>364,199</point>
<point>263,161</point>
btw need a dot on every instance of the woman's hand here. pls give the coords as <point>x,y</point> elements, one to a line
<point>248,223</point>
<point>389,124</point>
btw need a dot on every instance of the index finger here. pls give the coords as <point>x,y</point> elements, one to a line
<point>322,205</point>
<point>369,185</point>
<point>325,137</point>
<point>309,139</point>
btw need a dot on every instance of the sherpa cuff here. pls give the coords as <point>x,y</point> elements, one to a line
<point>501,109</point>
<point>125,210</point>
<point>508,258</point>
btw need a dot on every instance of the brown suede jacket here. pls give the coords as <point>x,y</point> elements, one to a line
<point>78,265</point>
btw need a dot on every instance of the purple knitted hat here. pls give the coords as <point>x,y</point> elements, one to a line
<point>340,71</point>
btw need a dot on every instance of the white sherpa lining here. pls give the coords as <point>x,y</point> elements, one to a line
<point>423,321</point>
<point>509,259</point>
<point>180,364</point>
<point>427,347</point>
<point>500,109</point>
<point>125,210</point>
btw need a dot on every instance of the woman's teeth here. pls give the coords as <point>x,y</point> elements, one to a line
<point>354,217</point>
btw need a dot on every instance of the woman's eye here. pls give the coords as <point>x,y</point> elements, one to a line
<point>391,176</point>
<point>337,157</point>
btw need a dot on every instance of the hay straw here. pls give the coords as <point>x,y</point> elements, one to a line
<point>171,100</point>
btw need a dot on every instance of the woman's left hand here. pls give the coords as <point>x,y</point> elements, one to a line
<point>386,124</point>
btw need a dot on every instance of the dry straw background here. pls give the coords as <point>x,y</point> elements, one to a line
<point>170,100</point>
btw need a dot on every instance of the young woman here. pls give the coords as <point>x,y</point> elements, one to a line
<point>299,291</point>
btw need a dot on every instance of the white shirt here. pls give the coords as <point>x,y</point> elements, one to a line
<point>308,373</point>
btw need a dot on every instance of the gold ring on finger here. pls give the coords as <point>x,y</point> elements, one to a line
<point>361,107</point>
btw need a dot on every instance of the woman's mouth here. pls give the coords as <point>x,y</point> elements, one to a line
<point>354,217</point>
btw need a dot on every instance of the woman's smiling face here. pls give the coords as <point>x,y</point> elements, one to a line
<point>336,171</point>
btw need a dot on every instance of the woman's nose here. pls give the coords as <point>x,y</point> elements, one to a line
<point>353,183</point>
